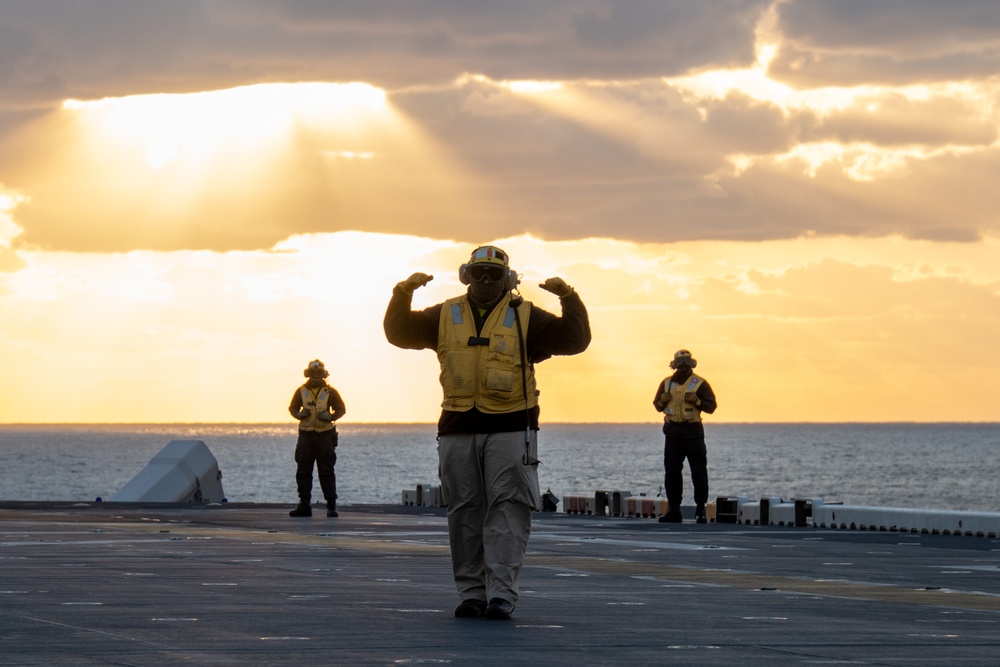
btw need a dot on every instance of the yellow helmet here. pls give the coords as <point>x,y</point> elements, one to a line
<point>484,257</point>
<point>489,254</point>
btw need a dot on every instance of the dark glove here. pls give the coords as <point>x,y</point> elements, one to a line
<point>414,282</point>
<point>557,286</point>
<point>302,414</point>
<point>325,416</point>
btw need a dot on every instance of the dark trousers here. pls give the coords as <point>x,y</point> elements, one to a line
<point>319,449</point>
<point>685,441</point>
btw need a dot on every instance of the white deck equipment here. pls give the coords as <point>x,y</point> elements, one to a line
<point>184,471</point>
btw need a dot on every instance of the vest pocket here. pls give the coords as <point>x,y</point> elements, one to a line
<point>458,377</point>
<point>503,345</point>
<point>499,381</point>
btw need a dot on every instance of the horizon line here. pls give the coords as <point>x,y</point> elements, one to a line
<point>543,425</point>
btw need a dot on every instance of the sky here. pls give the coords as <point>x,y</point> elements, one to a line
<point>199,197</point>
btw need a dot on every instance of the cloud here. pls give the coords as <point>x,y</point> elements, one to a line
<point>897,42</point>
<point>51,50</point>
<point>941,198</point>
<point>616,144</point>
<point>891,119</point>
<point>9,259</point>
<point>632,160</point>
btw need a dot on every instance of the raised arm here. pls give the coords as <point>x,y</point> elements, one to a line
<point>406,328</point>
<point>549,335</point>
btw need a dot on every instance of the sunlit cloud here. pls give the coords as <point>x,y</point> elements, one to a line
<point>9,201</point>
<point>859,160</point>
<point>529,87</point>
<point>232,169</point>
<point>756,83</point>
<point>525,87</point>
<point>8,228</point>
<point>198,124</point>
<point>605,107</point>
<point>351,155</point>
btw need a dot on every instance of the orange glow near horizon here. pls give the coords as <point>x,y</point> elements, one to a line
<point>222,337</point>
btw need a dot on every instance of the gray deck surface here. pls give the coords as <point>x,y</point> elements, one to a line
<point>116,584</point>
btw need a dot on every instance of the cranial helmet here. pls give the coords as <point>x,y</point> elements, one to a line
<point>490,263</point>
<point>683,358</point>
<point>316,369</point>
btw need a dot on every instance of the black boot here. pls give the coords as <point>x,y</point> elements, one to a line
<point>699,514</point>
<point>673,515</point>
<point>303,509</point>
<point>331,509</point>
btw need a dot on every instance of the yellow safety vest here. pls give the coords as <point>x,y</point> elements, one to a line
<point>315,404</point>
<point>678,410</point>
<point>485,374</point>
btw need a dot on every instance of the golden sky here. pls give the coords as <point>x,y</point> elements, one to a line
<point>197,198</point>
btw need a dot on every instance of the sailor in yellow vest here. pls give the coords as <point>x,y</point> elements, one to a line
<point>317,406</point>
<point>682,398</point>
<point>488,341</point>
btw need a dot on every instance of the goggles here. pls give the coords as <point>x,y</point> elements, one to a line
<point>683,361</point>
<point>490,272</point>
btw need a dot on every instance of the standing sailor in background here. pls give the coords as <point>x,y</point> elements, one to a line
<point>488,341</point>
<point>682,398</point>
<point>317,406</point>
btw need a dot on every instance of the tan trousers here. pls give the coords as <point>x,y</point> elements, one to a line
<point>490,494</point>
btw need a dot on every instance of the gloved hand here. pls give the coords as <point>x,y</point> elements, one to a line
<point>691,397</point>
<point>557,286</point>
<point>414,282</point>
<point>665,397</point>
<point>325,416</point>
<point>302,414</point>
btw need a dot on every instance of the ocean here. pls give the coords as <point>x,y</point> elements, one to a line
<point>929,466</point>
